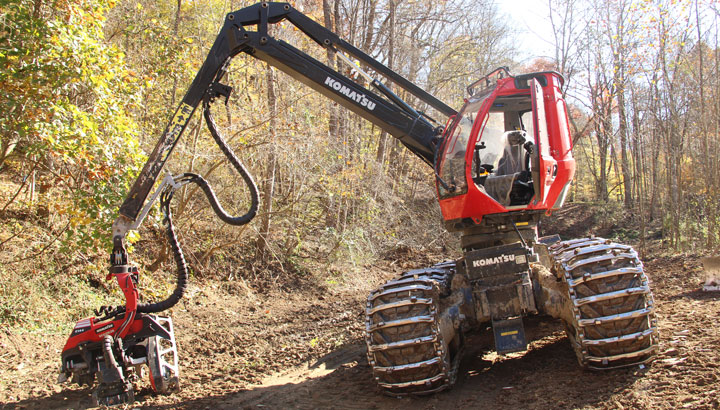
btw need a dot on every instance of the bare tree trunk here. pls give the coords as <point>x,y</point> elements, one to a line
<point>705,160</point>
<point>713,216</point>
<point>6,148</point>
<point>623,131</point>
<point>619,48</point>
<point>332,106</point>
<point>382,146</point>
<point>269,183</point>
<point>391,64</point>
<point>37,8</point>
<point>384,136</point>
<point>370,27</point>
<point>639,170</point>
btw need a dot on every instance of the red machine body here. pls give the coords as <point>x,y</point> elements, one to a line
<point>93,329</point>
<point>532,103</point>
<point>139,338</point>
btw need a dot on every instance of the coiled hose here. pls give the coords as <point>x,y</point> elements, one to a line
<point>166,197</point>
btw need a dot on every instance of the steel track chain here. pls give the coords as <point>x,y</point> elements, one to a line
<point>162,359</point>
<point>406,349</point>
<point>614,315</point>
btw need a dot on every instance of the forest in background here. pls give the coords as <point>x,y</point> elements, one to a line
<point>89,85</point>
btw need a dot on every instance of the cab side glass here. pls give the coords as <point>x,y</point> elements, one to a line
<point>452,164</point>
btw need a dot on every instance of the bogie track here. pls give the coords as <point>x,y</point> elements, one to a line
<point>614,317</point>
<point>413,347</point>
<point>162,360</point>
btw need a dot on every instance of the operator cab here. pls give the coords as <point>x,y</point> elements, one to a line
<point>508,149</point>
<point>501,160</point>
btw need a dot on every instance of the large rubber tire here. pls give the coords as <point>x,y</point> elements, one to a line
<point>406,346</point>
<point>614,322</point>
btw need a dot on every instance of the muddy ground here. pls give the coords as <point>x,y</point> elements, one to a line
<point>305,349</point>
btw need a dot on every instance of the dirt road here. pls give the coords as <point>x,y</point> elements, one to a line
<point>305,349</point>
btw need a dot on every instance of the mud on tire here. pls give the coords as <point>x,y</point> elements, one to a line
<point>614,317</point>
<point>405,343</point>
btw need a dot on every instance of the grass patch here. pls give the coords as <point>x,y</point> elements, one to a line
<point>46,300</point>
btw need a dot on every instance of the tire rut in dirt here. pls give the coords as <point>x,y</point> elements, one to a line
<point>405,346</point>
<point>614,317</point>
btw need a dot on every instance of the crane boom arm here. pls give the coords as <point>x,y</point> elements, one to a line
<point>380,106</point>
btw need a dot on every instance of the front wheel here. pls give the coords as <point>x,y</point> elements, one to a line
<point>613,315</point>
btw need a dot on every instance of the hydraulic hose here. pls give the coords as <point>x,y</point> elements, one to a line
<point>182,271</point>
<point>239,167</point>
<point>112,373</point>
<point>107,352</point>
<point>166,197</point>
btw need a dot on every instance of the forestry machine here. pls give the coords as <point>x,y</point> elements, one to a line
<point>500,163</point>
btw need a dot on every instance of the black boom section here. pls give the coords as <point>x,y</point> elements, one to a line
<point>415,133</point>
<point>391,114</point>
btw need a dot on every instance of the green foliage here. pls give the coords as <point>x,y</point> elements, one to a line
<point>162,53</point>
<point>23,296</point>
<point>69,97</point>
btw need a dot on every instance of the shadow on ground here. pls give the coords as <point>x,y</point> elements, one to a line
<point>546,376</point>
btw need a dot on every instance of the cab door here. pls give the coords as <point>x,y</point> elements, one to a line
<point>543,165</point>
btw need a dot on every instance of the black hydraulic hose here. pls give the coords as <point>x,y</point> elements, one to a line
<point>108,355</point>
<point>239,167</point>
<point>166,196</point>
<point>182,271</point>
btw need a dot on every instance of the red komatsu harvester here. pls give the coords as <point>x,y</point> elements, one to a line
<point>501,163</point>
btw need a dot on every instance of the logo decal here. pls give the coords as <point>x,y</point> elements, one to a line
<point>179,120</point>
<point>79,330</point>
<point>493,261</point>
<point>347,92</point>
<point>104,328</point>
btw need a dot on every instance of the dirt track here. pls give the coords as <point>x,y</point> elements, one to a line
<point>305,350</point>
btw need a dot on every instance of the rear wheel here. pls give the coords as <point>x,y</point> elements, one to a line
<point>614,322</point>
